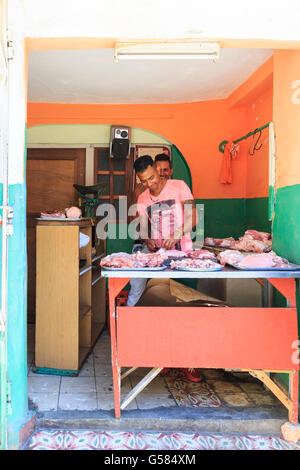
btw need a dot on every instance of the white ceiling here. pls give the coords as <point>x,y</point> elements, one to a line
<point>92,76</point>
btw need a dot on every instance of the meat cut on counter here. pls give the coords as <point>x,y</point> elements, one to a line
<point>251,241</point>
<point>58,214</point>
<point>189,263</point>
<point>218,242</point>
<point>200,254</point>
<point>70,212</point>
<point>255,261</point>
<point>135,260</point>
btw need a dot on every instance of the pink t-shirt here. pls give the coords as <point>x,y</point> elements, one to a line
<point>165,211</point>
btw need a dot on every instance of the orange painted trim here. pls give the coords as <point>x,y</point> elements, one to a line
<point>260,81</point>
<point>35,44</point>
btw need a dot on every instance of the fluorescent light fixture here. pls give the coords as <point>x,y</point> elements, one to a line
<point>167,50</point>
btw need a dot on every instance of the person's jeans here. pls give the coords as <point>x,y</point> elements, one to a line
<point>137,285</point>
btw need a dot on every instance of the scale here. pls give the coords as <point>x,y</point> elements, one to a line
<point>89,203</point>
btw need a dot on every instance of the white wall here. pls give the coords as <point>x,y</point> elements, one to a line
<point>267,19</point>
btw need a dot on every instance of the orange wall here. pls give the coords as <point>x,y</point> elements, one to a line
<point>255,97</point>
<point>195,128</point>
<point>258,113</point>
<point>287,117</point>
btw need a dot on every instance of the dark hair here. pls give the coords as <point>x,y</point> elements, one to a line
<point>141,164</point>
<point>163,157</point>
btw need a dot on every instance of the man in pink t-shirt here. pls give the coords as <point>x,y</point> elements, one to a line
<point>166,208</point>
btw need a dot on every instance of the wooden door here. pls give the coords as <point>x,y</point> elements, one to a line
<point>51,173</point>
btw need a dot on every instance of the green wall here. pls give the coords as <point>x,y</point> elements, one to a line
<point>286,227</point>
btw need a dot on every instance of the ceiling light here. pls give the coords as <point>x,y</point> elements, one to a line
<point>167,50</point>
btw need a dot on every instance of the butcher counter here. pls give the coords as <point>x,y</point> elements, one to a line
<point>258,340</point>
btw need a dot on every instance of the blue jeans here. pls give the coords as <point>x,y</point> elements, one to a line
<point>137,285</point>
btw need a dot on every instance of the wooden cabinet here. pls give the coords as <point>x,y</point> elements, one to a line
<point>70,305</point>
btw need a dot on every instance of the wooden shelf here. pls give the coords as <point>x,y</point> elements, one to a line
<point>84,310</point>
<point>84,270</point>
<point>70,321</point>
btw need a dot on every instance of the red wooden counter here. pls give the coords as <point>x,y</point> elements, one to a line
<point>257,340</point>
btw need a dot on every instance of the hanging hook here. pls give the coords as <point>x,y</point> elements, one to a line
<point>255,147</point>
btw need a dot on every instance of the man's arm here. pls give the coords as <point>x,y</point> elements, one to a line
<point>190,221</point>
<point>144,233</point>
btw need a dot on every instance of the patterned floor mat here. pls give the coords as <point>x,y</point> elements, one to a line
<point>219,388</point>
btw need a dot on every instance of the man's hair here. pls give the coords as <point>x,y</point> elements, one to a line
<point>141,164</point>
<point>163,157</point>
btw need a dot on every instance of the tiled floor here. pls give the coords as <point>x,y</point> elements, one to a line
<point>92,389</point>
<point>93,440</point>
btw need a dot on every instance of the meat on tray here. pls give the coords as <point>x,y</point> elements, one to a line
<point>251,241</point>
<point>230,257</point>
<point>194,264</point>
<point>117,260</point>
<point>264,260</point>
<point>172,253</point>
<point>218,242</point>
<point>259,260</point>
<point>152,260</point>
<point>135,260</point>
<point>58,214</point>
<point>200,254</point>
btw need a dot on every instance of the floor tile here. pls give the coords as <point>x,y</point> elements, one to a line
<point>221,386</point>
<point>103,370</point>
<point>262,399</point>
<point>44,401</point>
<point>236,399</point>
<point>43,384</point>
<point>78,401</point>
<point>105,401</point>
<point>118,440</point>
<point>157,385</point>
<point>252,387</point>
<point>149,400</point>
<point>88,368</point>
<point>78,385</point>
<point>105,385</point>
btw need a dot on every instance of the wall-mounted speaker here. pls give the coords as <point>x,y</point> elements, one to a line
<point>120,141</point>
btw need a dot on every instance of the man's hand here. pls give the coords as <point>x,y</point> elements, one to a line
<point>169,243</point>
<point>150,244</point>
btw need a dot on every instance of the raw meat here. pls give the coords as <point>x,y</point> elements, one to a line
<point>219,242</point>
<point>230,257</point>
<point>117,260</point>
<point>249,244</point>
<point>194,264</point>
<point>200,254</point>
<point>172,253</point>
<point>149,259</point>
<point>261,260</point>
<point>256,235</point>
<point>58,214</point>
<point>73,212</point>
<point>136,260</point>
<point>251,241</point>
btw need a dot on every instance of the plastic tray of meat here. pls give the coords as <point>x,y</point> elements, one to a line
<point>289,267</point>
<point>213,267</point>
<point>63,219</point>
<point>145,268</point>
